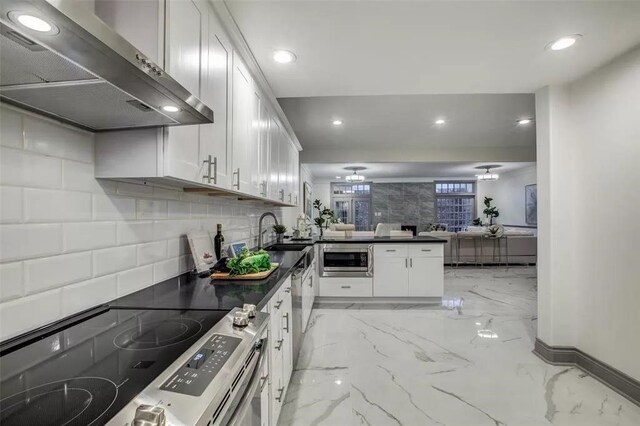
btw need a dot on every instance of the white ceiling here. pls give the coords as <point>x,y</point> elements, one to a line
<point>404,125</point>
<point>328,172</point>
<point>421,47</point>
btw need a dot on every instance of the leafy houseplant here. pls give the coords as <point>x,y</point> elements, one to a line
<point>279,230</point>
<point>325,217</point>
<point>490,211</point>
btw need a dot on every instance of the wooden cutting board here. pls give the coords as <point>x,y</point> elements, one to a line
<point>253,276</point>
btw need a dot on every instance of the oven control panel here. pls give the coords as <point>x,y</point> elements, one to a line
<point>194,376</point>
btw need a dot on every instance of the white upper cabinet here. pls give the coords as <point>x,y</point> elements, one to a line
<point>245,150</point>
<point>215,139</point>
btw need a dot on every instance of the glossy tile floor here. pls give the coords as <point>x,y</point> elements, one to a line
<point>457,367</point>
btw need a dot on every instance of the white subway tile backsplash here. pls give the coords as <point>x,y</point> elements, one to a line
<point>166,269</point>
<point>29,241</point>
<point>11,128</point>
<point>134,190</point>
<point>134,232</point>
<point>198,210</point>
<point>21,315</point>
<point>107,261</point>
<point>152,252</point>
<point>88,235</point>
<point>134,280</point>
<point>44,205</point>
<point>23,168</point>
<point>87,294</point>
<point>78,176</point>
<point>49,272</point>
<point>179,210</point>
<point>11,281</point>
<point>10,204</point>
<point>51,138</point>
<point>152,209</point>
<point>109,207</point>
<point>69,242</point>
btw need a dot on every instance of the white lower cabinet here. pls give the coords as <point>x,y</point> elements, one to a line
<point>412,270</point>
<point>308,295</point>
<point>280,351</point>
<point>345,287</point>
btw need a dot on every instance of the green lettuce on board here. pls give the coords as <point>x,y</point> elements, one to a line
<point>248,262</point>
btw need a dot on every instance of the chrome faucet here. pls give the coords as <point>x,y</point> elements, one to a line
<point>260,232</point>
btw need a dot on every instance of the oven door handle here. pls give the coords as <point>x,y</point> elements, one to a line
<point>245,403</point>
<point>370,262</point>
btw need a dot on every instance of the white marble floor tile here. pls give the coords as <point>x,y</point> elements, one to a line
<point>467,363</point>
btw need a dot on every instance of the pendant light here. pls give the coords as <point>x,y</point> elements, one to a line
<point>355,177</point>
<point>487,175</point>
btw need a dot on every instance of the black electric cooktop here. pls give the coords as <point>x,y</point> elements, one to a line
<point>85,373</point>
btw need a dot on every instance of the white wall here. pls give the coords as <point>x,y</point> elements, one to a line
<point>508,195</point>
<point>290,214</point>
<point>69,242</point>
<point>588,204</point>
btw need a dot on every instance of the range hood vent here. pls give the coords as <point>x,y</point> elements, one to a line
<point>84,73</point>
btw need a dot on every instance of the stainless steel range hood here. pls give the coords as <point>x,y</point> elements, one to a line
<point>84,73</point>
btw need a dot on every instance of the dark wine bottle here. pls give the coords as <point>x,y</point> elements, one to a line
<point>218,241</point>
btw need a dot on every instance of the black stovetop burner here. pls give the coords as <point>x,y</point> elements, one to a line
<point>85,373</point>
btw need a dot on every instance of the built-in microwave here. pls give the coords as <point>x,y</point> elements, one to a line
<point>346,260</point>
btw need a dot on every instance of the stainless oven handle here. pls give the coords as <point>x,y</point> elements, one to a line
<point>370,262</point>
<point>256,378</point>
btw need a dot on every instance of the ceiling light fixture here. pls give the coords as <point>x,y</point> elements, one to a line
<point>355,177</point>
<point>337,122</point>
<point>564,42</point>
<point>338,177</point>
<point>487,175</point>
<point>170,108</point>
<point>440,122</point>
<point>524,121</point>
<point>284,56</point>
<point>33,22</point>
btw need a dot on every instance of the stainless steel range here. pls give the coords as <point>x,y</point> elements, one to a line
<point>346,260</point>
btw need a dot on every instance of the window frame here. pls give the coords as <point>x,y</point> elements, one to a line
<point>472,195</point>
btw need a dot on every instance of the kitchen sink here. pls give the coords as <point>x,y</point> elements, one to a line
<point>286,247</point>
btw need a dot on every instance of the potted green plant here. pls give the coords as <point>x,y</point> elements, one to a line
<point>490,211</point>
<point>279,230</point>
<point>325,217</point>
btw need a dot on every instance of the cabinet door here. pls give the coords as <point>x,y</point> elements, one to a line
<point>287,335</point>
<point>426,276</point>
<point>254,144</point>
<point>275,357</point>
<point>243,100</point>
<point>274,157</point>
<point>283,167</point>
<point>215,138</point>
<point>390,277</point>
<point>265,152</point>
<point>185,24</point>
<point>184,30</point>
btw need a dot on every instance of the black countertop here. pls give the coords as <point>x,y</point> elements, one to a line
<point>188,291</point>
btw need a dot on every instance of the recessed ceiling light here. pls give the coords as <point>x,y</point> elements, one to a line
<point>33,22</point>
<point>564,42</point>
<point>337,122</point>
<point>440,121</point>
<point>170,108</point>
<point>284,56</point>
<point>338,177</point>
<point>524,121</point>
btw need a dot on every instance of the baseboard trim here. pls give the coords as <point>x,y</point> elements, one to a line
<point>612,377</point>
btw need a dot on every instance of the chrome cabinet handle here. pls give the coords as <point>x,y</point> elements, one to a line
<point>286,327</point>
<point>237,173</point>
<point>279,345</point>
<point>311,282</point>
<point>289,198</point>
<point>278,304</point>
<point>345,286</point>
<point>287,290</point>
<point>296,198</point>
<point>411,262</point>
<point>281,194</point>
<point>426,249</point>
<point>215,170</point>
<point>264,188</point>
<point>406,261</point>
<point>263,381</point>
<point>208,163</point>
<point>389,251</point>
<point>280,392</point>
